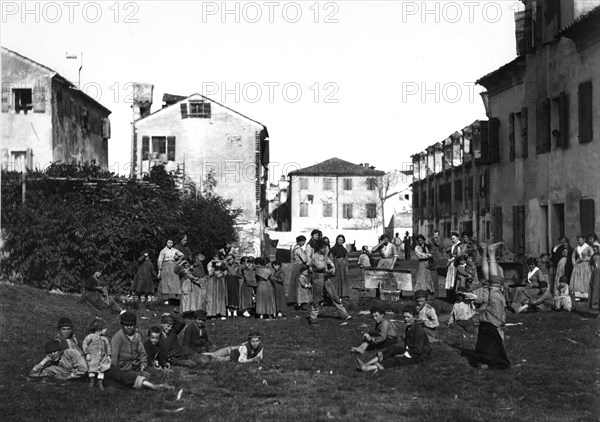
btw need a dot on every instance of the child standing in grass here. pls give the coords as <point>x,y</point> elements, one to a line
<point>250,351</point>
<point>304,289</point>
<point>278,280</point>
<point>426,315</point>
<point>143,282</point>
<point>216,292</point>
<point>65,335</point>
<point>97,352</point>
<point>364,262</point>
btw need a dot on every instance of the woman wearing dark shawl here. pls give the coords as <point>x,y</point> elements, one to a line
<point>339,256</point>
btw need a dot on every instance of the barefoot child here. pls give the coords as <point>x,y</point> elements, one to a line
<point>62,364</point>
<point>384,335</point>
<point>97,352</point>
<point>250,351</point>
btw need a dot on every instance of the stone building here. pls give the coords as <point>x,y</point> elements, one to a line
<point>336,196</point>
<point>544,111</point>
<point>197,137</point>
<point>47,119</point>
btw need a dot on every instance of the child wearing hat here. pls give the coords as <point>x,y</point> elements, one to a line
<point>128,353</point>
<point>65,335</point>
<point>195,336</point>
<point>426,315</point>
<point>250,351</point>
<point>171,325</point>
<point>97,352</point>
<point>64,365</point>
<point>462,311</point>
<point>416,348</point>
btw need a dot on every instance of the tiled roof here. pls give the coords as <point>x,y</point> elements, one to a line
<point>337,167</point>
<point>580,22</point>
<point>510,66</point>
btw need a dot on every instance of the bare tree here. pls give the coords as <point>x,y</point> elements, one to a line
<point>387,187</point>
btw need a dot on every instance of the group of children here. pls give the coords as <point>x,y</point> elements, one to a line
<point>227,288</point>
<point>127,360</point>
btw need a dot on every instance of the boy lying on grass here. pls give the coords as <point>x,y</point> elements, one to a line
<point>64,365</point>
<point>251,351</point>
<point>416,348</point>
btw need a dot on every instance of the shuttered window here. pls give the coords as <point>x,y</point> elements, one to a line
<point>494,146</point>
<point>511,136</point>
<point>543,129</point>
<point>303,183</point>
<point>347,184</point>
<point>327,210</point>
<point>586,216</point>
<point>563,120</point>
<point>303,210</point>
<point>586,132</point>
<point>39,98</point>
<point>524,130</point>
<point>347,211</point>
<point>171,148</point>
<point>145,147</point>
<point>371,210</point>
<point>184,110</point>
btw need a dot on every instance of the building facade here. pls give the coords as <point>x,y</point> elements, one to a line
<point>337,196</point>
<point>544,111</point>
<point>199,137</point>
<point>47,119</point>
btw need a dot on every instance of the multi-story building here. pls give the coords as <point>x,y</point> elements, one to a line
<point>198,137</point>
<point>336,196</point>
<point>544,111</point>
<point>529,174</point>
<point>47,119</point>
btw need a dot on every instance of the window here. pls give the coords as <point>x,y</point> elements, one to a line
<point>586,115</point>
<point>543,141</point>
<point>19,160</point>
<point>303,210</point>
<point>371,184</point>
<point>563,120</point>
<point>469,188</point>
<point>199,109</point>
<point>163,148</point>
<point>347,211</point>
<point>458,190</point>
<point>347,184</point>
<point>371,210</point>
<point>303,183</point>
<point>511,136</point>
<point>23,100</point>
<point>524,143</point>
<point>445,193</point>
<point>327,184</point>
<point>327,210</point>
<point>145,147</point>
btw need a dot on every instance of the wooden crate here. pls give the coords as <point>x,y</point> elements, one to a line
<point>388,280</point>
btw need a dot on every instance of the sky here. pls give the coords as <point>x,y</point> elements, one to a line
<point>364,81</point>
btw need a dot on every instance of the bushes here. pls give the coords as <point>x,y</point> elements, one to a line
<point>90,218</point>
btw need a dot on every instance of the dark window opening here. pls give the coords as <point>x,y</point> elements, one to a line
<point>23,100</point>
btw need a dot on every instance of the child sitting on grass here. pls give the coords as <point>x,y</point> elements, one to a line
<point>97,350</point>
<point>65,335</point>
<point>562,299</point>
<point>171,325</point>
<point>195,336</point>
<point>64,365</point>
<point>250,351</point>
<point>157,356</point>
<point>462,312</point>
<point>426,315</point>
<point>384,335</point>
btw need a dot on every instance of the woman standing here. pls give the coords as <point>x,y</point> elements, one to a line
<point>339,256</point>
<point>454,252</point>
<point>311,247</point>
<point>170,287</point>
<point>594,300</point>
<point>299,259</point>
<point>424,279</point>
<point>184,248</point>
<point>265,293</point>
<point>580,278</point>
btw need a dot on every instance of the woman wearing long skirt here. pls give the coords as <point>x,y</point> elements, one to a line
<point>455,251</point>
<point>216,293</point>
<point>265,293</point>
<point>339,256</point>
<point>580,278</point>
<point>594,300</point>
<point>170,286</point>
<point>247,284</point>
<point>233,286</point>
<point>424,280</point>
<point>299,259</point>
<point>193,287</point>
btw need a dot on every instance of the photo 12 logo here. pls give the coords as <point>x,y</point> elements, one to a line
<point>269,11</point>
<point>288,92</point>
<point>455,12</point>
<point>437,92</point>
<point>69,12</point>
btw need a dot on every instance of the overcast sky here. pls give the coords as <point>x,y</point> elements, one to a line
<point>343,78</point>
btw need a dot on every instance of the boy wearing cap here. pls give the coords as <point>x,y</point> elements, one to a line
<point>171,325</point>
<point>250,351</point>
<point>62,364</point>
<point>128,353</point>
<point>416,348</point>
<point>195,336</point>
<point>65,335</point>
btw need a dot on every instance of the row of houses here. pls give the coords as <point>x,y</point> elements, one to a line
<point>529,173</point>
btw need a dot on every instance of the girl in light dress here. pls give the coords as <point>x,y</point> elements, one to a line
<point>562,299</point>
<point>580,278</point>
<point>97,352</point>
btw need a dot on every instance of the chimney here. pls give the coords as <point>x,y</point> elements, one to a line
<point>142,99</point>
<point>366,165</point>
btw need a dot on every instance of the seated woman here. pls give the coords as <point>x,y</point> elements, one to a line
<point>97,295</point>
<point>250,351</point>
<point>516,296</point>
<point>416,348</point>
<point>541,300</point>
<point>383,335</point>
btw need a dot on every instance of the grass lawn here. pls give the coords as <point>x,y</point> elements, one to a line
<point>308,372</point>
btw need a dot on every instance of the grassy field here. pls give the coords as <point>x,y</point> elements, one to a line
<point>308,372</point>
